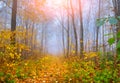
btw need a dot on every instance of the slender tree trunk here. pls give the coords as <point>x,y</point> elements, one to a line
<point>81,29</point>
<point>68,31</point>
<point>103,40</point>
<point>118,29</point>
<point>74,28</point>
<point>32,38</point>
<point>68,39</point>
<point>97,29</point>
<point>63,39</point>
<point>42,40</point>
<point>116,4</point>
<point>13,21</point>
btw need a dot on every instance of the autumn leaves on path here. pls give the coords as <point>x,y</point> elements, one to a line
<point>53,70</point>
<point>49,69</point>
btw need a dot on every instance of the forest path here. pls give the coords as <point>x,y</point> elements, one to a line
<point>53,70</point>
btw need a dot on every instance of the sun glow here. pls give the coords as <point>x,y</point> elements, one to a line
<point>62,6</point>
<point>63,3</point>
<point>57,3</point>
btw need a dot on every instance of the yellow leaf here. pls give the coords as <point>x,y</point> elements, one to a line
<point>12,55</point>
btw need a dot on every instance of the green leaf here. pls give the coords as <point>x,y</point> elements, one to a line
<point>11,81</point>
<point>18,75</point>
<point>111,41</point>
<point>118,17</point>
<point>110,34</point>
<point>118,57</point>
<point>76,75</point>
<point>8,75</point>
<point>118,44</point>
<point>1,74</point>
<point>112,20</point>
<point>100,22</point>
<point>118,35</point>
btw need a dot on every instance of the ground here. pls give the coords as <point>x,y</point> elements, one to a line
<point>57,69</point>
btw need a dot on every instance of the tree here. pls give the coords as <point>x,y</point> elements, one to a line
<point>13,20</point>
<point>118,29</point>
<point>116,4</point>
<point>74,27</point>
<point>97,29</point>
<point>68,30</point>
<point>81,29</point>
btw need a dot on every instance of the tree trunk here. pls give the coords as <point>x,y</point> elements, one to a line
<point>116,4</point>
<point>97,29</point>
<point>63,40</point>
<point>13,20</point>
<point>74,28</point>
<point>118,28</point>
<point>68,31</point>
<point>81,30</point>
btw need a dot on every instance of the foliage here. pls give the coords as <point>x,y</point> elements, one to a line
<point>8,51</point>
<point>112,21</point>
<point>110,73</point>
<point>92,68</point>
<point>59,69</point>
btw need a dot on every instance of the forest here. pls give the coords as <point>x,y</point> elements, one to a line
<point>59,41</point>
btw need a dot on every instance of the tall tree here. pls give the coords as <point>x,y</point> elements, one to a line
<point>116,4</point>
<point>118,28</point>
<point>13,19</point>
<point>74,27</point>
<point>81,29</point>
<point>97,29</point>
<point>68,30</point>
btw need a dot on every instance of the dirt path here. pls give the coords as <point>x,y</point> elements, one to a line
<point>52,72</point>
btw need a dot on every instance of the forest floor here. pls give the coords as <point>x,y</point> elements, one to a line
<point>51,71</point>
<point>56,69</point>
